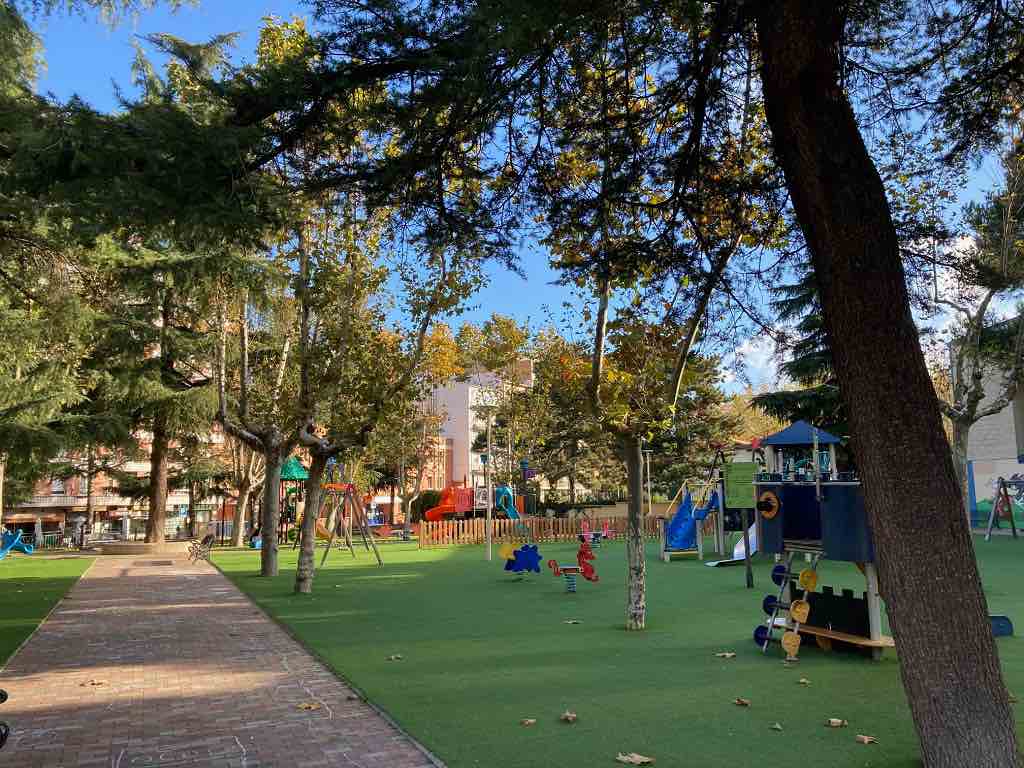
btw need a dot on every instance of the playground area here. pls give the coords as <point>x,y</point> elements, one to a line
<point>460,652</point>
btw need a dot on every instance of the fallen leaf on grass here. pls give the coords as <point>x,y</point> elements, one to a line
<point>862,739</point>
<point>309,706</point>
<point>528,721</point>
<point>776,726</point>
<point>92,683</point>
<point>568,717</point>
<point>804,681</point>
<point>572,621</point>
<point>835,722</point>
<point>725,655</point>
<point>632,758</point>
<point>395,657</point>
<point>740,702</point>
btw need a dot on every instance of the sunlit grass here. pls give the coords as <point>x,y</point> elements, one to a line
<point>481,651</point>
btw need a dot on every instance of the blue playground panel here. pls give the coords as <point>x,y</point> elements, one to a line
<point>839,523</point>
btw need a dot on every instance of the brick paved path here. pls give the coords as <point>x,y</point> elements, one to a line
<point>152,662</point>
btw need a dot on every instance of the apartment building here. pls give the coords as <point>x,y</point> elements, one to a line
<point>462,404</point>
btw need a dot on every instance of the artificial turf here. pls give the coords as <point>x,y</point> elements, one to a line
<point>30,585</point>
<point>481,651</point>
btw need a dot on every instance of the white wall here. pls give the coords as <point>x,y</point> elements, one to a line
<point>994,437</point>
<point>458,401</point>
<point>993,445</point>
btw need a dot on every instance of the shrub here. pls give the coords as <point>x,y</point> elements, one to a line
<point>422,503</point>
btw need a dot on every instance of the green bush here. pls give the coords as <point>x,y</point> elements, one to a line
<point>422,503</point>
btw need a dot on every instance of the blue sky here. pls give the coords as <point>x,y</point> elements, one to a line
<point>86,57</point>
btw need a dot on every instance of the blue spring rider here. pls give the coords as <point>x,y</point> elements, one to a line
<point>13,541</point>
<point>521,560</point>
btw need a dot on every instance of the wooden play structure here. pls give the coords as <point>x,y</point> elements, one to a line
<point>807,510</point>
<point>696,509</point>
<point>344,511</point>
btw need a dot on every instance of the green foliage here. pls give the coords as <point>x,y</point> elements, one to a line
<point>20,53</point>
<point>816,397</point>
<point>426,500</point>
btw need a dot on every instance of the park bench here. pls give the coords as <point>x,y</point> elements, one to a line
<point>200,550</point>
<point>5,729</point>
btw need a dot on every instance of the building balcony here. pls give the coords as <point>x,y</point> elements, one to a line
<point>99,500</point>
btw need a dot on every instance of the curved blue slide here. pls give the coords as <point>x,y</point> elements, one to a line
<point>681,531</point>
<point>12,541</point>
<point>505,501</point>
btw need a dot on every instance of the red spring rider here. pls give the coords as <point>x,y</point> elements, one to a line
<point>582,567</point>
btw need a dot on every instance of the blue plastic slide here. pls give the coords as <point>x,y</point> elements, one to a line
<point>13,541</point>
<point>505,502</point>
<point>681,532</point>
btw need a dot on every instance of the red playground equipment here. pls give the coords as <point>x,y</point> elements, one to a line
<point>582,567</point>
<point>455,500</point>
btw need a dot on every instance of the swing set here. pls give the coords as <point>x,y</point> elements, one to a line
<point>345,511</point>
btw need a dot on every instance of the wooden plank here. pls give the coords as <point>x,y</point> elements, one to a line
<point>883,642</point>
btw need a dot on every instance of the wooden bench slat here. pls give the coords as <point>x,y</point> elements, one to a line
<point>884,642</point>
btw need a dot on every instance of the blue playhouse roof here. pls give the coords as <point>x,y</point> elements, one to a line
<point>800,433</point>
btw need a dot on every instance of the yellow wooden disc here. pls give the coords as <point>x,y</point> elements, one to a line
<point>791,643</point>
<point>773,501</point>
<point>808,579</point>
<point>506,551</point>
<point>799,611</point>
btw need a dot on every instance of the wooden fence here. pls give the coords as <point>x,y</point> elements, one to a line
<point>446,533</point>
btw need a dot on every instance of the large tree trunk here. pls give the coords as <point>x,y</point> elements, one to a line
<point>3,477</point>
<point>158,462</point>
<point>961,435</point>
<point>238,522</point>
<point>307,544</point>
<point>928,574</point>
<point>271,508</point>
<point>636,564</point>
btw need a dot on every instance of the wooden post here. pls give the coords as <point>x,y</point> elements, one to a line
<point>744,523</point>
<point>874,607</point>
<point>364,525</point>
<point>720,545</point>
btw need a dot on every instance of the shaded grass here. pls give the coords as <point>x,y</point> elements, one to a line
<point>30,585</point>
<point>481,651</point>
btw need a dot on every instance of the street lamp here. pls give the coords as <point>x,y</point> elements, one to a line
<point>650,499</point>
<point>489,513</point>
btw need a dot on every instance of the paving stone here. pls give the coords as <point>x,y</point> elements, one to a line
<point>150,665</point>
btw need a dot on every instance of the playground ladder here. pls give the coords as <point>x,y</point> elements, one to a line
<point>785,598</point>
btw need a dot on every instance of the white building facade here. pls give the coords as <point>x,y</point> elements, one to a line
<point>464,403</point>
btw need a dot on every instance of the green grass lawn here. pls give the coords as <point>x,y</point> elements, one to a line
<point>482,651</point>
<point>30,585</point>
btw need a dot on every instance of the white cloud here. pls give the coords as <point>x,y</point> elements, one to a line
<point>755,362</point>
